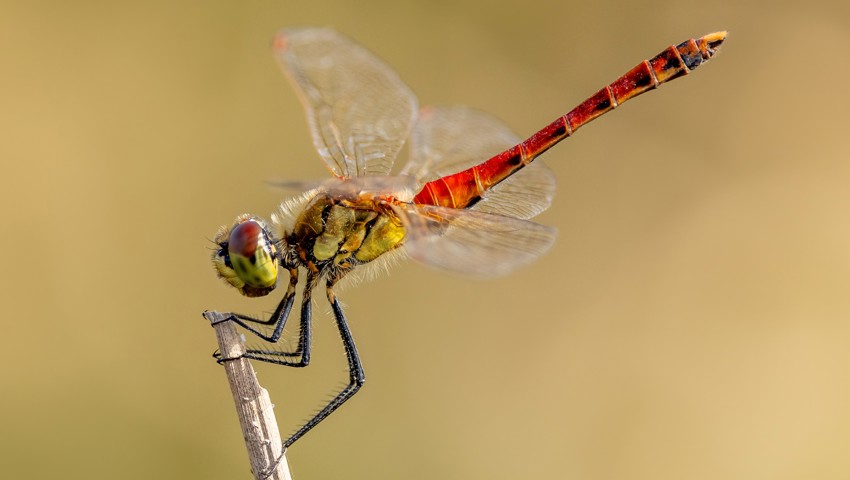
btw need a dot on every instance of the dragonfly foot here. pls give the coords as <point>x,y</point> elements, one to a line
<point>215,317</point>
<point>221,360</point>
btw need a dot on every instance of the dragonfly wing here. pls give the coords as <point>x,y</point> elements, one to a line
<point>358,109</point>
<point>453,136</point>
<point>400,187</point>
<point>524,194</point>
<point>295,186</point>
<point>450,139</point>
<point>472,242</point>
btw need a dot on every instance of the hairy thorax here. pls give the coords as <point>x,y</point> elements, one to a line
<point>345,232</point>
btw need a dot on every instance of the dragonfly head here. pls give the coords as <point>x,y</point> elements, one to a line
<point>246,256</point>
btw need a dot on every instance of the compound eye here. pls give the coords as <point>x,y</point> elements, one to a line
<point>253,256</point>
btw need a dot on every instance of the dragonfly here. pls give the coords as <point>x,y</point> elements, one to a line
<point>462,202</point>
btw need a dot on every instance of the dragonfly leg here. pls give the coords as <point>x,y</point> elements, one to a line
<point>302,351</point>
<point>355,369</point>
<point>278,318</point>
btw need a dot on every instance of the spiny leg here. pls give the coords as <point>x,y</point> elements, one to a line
<point>302,351</point>
<point>305,335</point>
<point>279,317</point>
<point>355,369</point>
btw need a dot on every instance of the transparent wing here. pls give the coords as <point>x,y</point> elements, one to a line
<point>472,242</point>
<point>295,186</point>
<point>450,139</point>
<point>454,136</point>
<point>524,194</point>
<point>359,111</point>
<point>400,187</point>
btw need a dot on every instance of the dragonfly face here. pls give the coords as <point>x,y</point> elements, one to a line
<point>247,257</point>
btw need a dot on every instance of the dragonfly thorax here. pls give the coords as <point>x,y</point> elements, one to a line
<point>344,232</point>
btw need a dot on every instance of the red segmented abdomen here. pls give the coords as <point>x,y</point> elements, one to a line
<point>463,189</point>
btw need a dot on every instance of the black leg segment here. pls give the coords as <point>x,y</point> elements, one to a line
<point>356,377</point>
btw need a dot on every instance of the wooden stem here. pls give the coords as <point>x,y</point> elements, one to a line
<point>253,405</point>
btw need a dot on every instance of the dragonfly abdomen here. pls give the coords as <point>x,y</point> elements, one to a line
<point>464,189</point>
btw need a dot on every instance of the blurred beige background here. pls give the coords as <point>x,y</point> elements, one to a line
<point>692,321</point>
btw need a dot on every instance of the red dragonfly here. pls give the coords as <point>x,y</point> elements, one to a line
<point>461,203</point>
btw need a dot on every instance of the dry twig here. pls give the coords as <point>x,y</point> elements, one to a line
<point>253,405</point>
